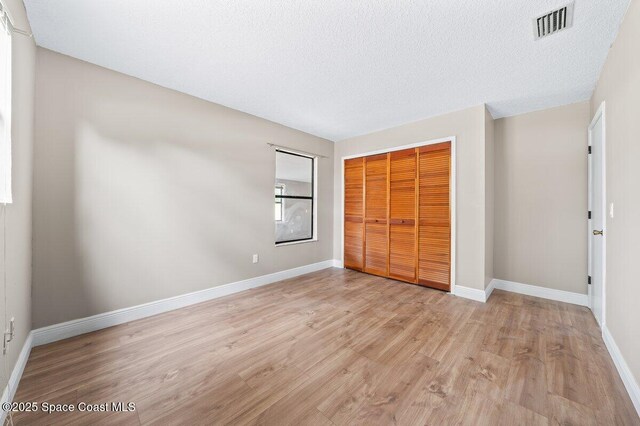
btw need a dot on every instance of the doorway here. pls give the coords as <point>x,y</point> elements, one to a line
<point>597,216</point>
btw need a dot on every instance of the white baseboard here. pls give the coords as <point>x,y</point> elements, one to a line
<point>76,327</point>
<point>623,369</point>
<point>470,293</point>
<point>337,263</point>
<point>10,390</point>
<point>489,290</point>
<point>543,292</point>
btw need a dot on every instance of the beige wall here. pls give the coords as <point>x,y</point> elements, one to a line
<point>143,193</point>
<point>468,127</point>
<point>489,196</point>
<point>619,86</point>
<point>18,214</point>
<point>541,198</point>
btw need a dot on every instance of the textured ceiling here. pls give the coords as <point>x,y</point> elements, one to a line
<point>337,68</point>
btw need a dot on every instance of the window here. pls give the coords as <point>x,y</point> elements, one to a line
<point>294,197</point>
<point>279,204</point>
<point>5,109</point>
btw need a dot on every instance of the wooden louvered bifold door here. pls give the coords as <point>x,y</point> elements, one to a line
<point>397,215</point>
<point>354,213</point>
<point>402,215</point>
<point>375,214</point>
<point>434,227</point>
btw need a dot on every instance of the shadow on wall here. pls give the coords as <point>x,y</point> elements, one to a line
<point>147,200</point>
<point>144,193</point>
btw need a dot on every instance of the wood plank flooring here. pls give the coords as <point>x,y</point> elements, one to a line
<point>339,347</point>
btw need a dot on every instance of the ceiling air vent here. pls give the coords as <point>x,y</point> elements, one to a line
<point>552,22</point>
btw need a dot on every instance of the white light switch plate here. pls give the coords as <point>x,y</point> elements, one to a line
<point>255,258</point>
<point>611,210</point>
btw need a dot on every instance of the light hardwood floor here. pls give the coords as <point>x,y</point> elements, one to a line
<point>339,347</point>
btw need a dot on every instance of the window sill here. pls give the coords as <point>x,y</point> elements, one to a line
<point>315,240</point>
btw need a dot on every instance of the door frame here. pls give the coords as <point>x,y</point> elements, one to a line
<point>600,114</point>
<point>452,195</point>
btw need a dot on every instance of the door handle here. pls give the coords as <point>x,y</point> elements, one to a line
<point>595,232</point>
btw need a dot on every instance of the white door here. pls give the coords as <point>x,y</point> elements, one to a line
<point>597,205</point>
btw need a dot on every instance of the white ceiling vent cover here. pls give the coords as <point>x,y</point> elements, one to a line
<point>552,22</point>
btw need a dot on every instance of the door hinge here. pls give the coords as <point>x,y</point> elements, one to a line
<point>589,214</point>
<point>589,149</point>
<point>589,280</point>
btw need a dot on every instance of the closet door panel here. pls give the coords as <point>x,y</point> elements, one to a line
<point>402,252</point>
<point>376,254</point>
<point>354,213</point>
<point>376,187</point>
<point>402,214</point>
<point>353,245</point>
<point>375,216</point>
<point>434,230</point>
<point>354,187</point>
<point>402,184</point>
<point>434,249</point>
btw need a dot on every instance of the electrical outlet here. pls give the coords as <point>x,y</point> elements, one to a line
<point>255,258</point>
<point>8,335</point>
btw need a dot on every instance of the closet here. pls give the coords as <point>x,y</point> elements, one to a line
<point>397,215</point>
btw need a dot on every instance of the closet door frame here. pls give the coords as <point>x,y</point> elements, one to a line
<point>452,195</point>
